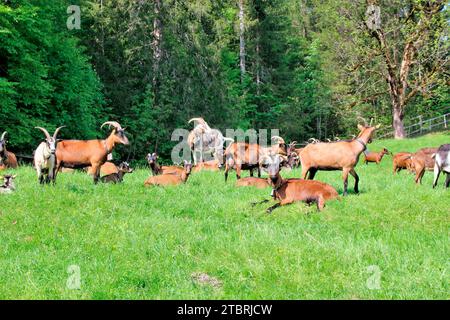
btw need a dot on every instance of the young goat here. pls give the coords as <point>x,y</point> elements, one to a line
<point>287,191</point>
<point>212,165</point>
<point>401,160</point>
<point>259,183</point>
<point>45,158</point>
<point>341,155</point>
<point>106,169</point>
<point>375,156</point>
<point>170,178</point>
<point>117,177</point>
<point>8,184</point>
<point>7,158</point>
<point>442,164</point>
<point>152,160</point>
<point>84,153</point>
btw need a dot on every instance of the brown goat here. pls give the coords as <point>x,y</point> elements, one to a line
<point>117,177</point>
<point>340,155</point>
<point>375,156</point>
<point>401,160</point>
<point>106,169</point>
<point>84,153</point>
<point>288,191</point>
<point>152,160</point>
<point>212,165</point>
<point>246,156</point>
<point>170,179</point>
<point>259,183</point>
<point>422,160</point>
<point>7,158</point>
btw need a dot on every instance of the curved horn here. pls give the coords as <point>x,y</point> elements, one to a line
<point>293,143</point>
<point>56,132</point>
<point>3,135</point>
<point>197,119</point>
<point>280,139</point>
<point>44,131</point>
<point>115,124</point>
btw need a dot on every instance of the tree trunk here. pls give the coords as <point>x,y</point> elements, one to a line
<point>397,123</point>
<point>241,39</point>
<point>157,39</point>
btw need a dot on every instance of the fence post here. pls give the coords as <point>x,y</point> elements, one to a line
<point>420,124</point>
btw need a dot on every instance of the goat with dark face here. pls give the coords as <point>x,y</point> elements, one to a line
<point>123,168</point>
<point>8,184</point>
<point>7,158</point>
<point>45,157</point>
<point>152,159</point>
<point>287,191</point>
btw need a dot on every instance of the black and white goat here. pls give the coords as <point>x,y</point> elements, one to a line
<point>442,164</point>
<point>45,157</point>
<point>8,184</point>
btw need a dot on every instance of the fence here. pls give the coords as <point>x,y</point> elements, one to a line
<point>420,127</point>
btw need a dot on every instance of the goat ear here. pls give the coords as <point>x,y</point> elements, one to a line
<point>360,127</point>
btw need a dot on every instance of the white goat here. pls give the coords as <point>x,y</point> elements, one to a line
<point>442,163</point>
<point>204,139</point>
<point>45,157</point>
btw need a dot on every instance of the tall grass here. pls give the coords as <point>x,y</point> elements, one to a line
<point>130,242</point>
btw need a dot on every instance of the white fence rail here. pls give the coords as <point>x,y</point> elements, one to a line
<point>420,127</point>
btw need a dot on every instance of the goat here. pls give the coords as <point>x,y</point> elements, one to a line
<point>245,156</point>
<point>117,177</point>
<point>422,160</point>
<point>340,155</point>
<point>375,156</point>
<point>45,158</point>
<point>106,169</point>
<point>401,160</point>
<point>94,153</point>
<point>212,165</point>
<point>442,164</point>
<point>259,183</point>
<point>287,191</point>
<point>204,139</point>
<point>152,160</point>
<point>8,185</point>
<point>7,158</point>
<point>170,179</point>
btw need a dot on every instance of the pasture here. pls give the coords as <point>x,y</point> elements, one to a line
<point>389,242</point>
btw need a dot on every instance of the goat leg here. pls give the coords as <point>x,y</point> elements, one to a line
<point>270,209</point>
<point>447,181</point>
<point>355,175</point>
<point>437,172</point>
<point>259,202</point>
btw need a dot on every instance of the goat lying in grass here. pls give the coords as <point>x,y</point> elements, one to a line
<point>442,164</point>
<point>117,177</point>
<point>152,160</point>
<point>8,184</point>
<point>288,191</point>
<point>212,165</point>
<point>170,178</point>
<point>259,183</point>
<point>375,156</point>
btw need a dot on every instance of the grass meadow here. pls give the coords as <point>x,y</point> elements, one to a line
<point>129,242</point>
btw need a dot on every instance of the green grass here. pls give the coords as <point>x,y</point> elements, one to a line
<point>132,242</point>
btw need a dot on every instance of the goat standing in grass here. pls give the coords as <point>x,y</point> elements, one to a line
<point>45,157</point>
<point>288,191</point>
<point>8,184</point>
<point>442,164</point>
<point>401,160</point>
<point>94,153</point>
<point>340,155</point>
<point>7,158</point>
<point>117,177</point>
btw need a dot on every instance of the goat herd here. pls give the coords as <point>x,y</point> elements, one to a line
<point>53,156</point>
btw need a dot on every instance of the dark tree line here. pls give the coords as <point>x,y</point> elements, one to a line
<point>308,68</point>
